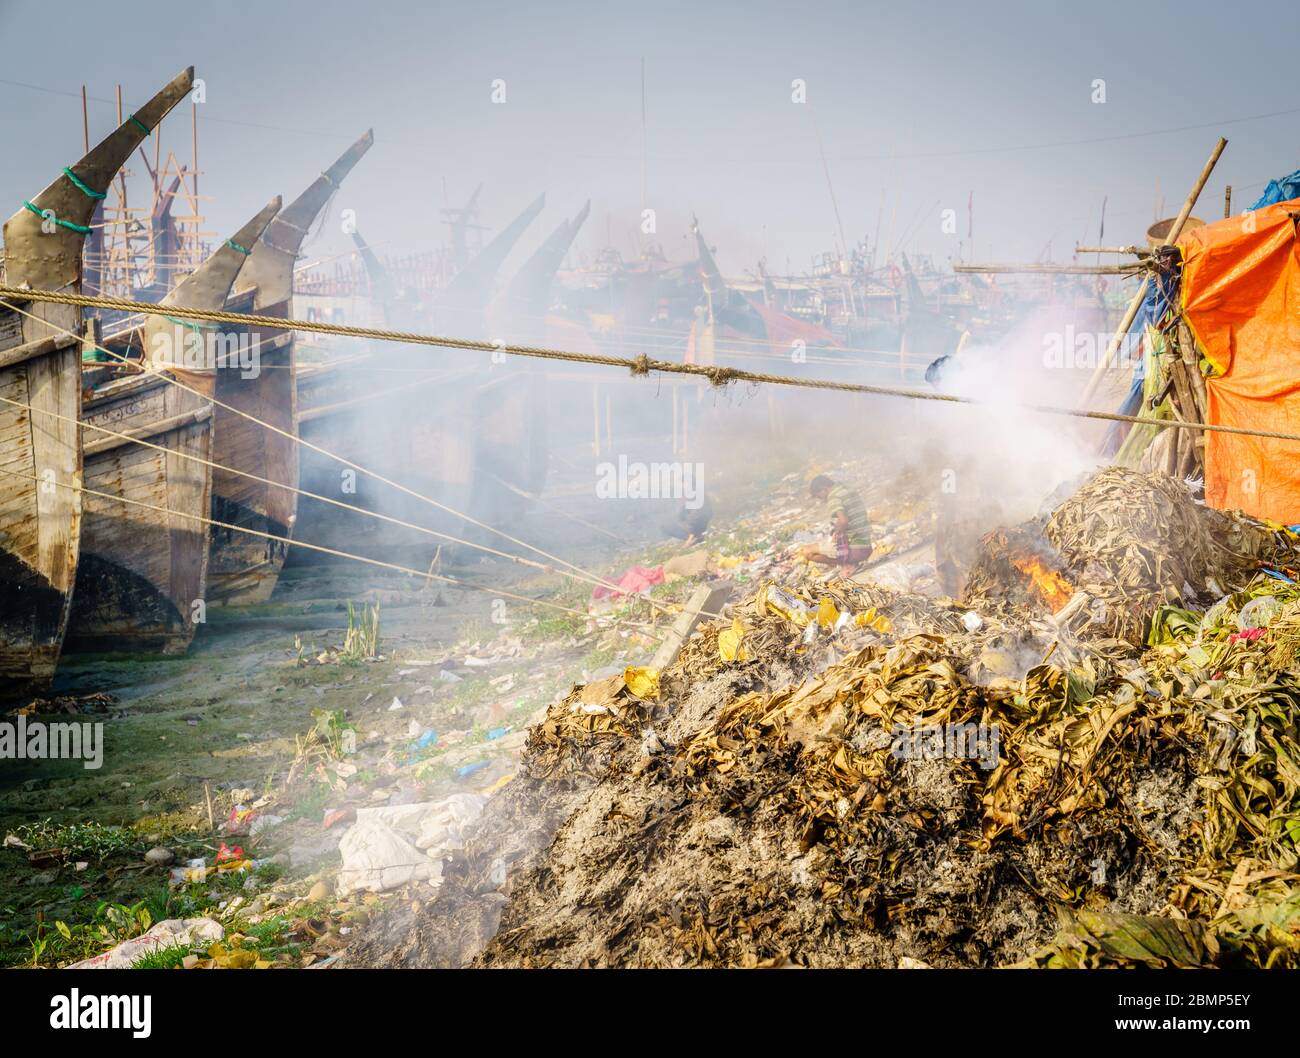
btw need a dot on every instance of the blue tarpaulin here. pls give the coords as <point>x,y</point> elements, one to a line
<point>1283,190</point>
<point>1160,296</point>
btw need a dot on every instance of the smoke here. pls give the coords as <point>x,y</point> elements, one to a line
<point>997,460</point>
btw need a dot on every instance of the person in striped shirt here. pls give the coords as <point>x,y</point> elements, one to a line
<point>850,526</point>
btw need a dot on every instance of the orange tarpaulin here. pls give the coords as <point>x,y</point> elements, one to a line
<point>1241,297</point>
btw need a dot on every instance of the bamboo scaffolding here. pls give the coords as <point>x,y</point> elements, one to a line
<point>1131,313</point>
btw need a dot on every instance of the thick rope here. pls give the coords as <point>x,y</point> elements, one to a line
<point>422,574</point>
<point>639,365</point>
<point>519,559</point>
<point>294,438</point>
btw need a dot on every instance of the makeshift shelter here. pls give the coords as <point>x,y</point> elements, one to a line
<point>1219,336</point>
<point>1240,297</point>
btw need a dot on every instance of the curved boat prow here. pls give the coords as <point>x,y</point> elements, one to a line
<point>142,579</point>
<point>471,290</point>
<point>270,267</point>
<point>209,285</point>
<point>382,287</point>
<point>43,240</point>
<point>243,568</point>
<point>40,366</point>
<point>715,286</point>
<point>529,292</point>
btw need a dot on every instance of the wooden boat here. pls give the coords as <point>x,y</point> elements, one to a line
<point>467,434</point>
<point>242,569</point>
<point>528,296</point>
<point>466,298</point>
<point>142,576</point>
<point>40,366</point>
<point>513,448</point>
<point>420,431</point>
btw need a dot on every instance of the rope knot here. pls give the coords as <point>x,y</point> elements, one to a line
<point>640,366</point>
<point>720,376</point>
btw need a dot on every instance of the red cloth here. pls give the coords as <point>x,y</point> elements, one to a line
<point>635,579</point>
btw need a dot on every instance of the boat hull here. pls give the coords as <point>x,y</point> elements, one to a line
<point>40,501</point>
<point>243,567</point>
<point>453,440</point>
<point>142,579</point>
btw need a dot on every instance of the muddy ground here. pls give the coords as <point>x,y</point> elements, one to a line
<point>188,740</point>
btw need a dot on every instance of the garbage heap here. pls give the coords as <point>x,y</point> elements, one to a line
<point>1125,543</point>
<point>837,775</point>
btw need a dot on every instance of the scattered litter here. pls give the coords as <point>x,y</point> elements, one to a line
<point>189,932</point>
<point>263,823</point>
<point>391,846</point>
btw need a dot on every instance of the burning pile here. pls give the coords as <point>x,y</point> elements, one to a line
<point>1126,542</point>
<point>842,777</point>
<point>1019,566</point>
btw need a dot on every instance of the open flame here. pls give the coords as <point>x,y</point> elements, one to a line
<point>1054,589</point>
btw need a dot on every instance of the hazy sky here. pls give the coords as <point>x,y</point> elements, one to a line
<point>990,99</point>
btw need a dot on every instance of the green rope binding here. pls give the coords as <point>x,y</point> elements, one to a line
<point>235,246</point>
<point>80,229</point>
<point>82,186</point>
<point>194,325</point>
<point>139,124</point>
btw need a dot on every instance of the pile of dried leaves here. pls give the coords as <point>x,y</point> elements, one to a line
<point>842,776</point>
<point>789,828</point>
<point>1128,542</point>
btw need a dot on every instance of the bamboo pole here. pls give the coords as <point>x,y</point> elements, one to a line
<point>1131,313</point>
<point>1200,392</point>
<point>1135,251</point>
<point>1187,346</point>
<point>1047,269</point>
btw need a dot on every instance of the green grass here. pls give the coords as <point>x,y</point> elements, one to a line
<point>554,629</point>
<point>599,657</point>
<point>169,958</point>
<point>79,840</point>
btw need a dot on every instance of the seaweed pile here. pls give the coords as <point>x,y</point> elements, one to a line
<point>837,775</point>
